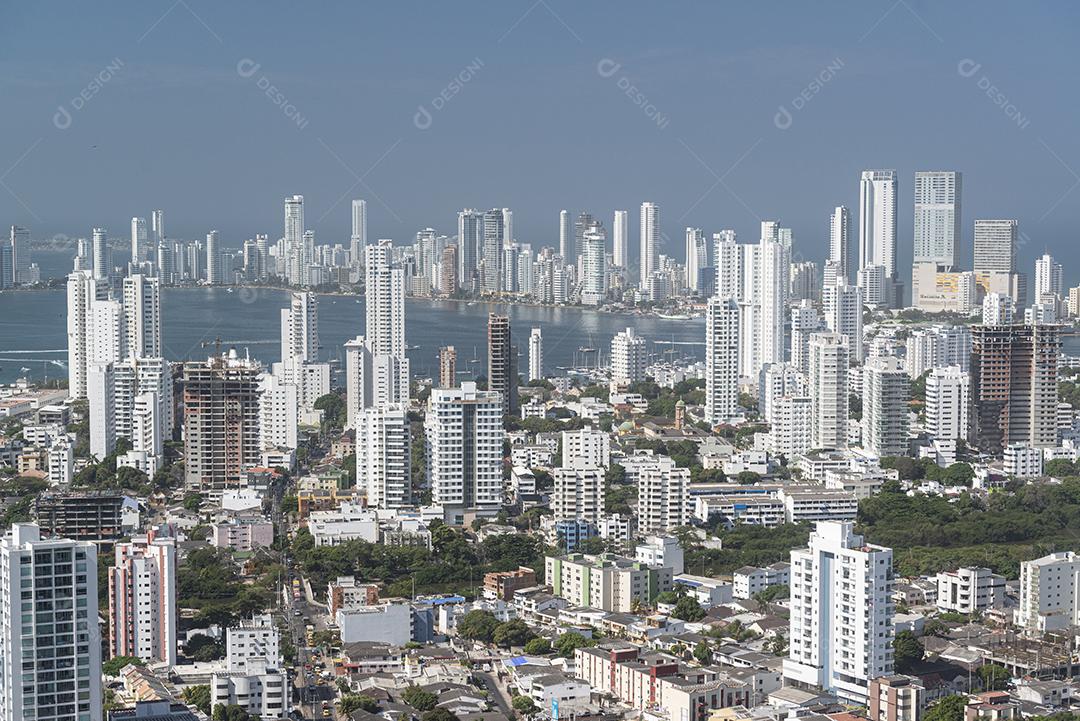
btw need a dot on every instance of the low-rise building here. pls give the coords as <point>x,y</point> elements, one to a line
<point>969,590</point>
<point>607,581</point>
<point>750,580</point>
<point>895,698</point>
<point>810,504</point>
<point>243,534</point>
<point>503,585</point>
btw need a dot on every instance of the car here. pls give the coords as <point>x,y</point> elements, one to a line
<point>298,613</point>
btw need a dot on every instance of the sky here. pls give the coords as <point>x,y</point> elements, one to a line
<point>724,113</point>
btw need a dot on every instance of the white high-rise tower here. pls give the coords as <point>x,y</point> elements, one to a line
<point>358,239</point>
<point>840,241</point>
<point>620,233</point>
<point>721,360</point>
<point>937,218</point>
<point>536,355</point>
<point>877,223</point>
<point>385,310</point>
<point>828,379</point>
<point>138,239</point>
<point>697,257</point>
<point>142,316</point>
<point>566,238</point>
<point>101,254</point>
<point>649,240</point>
<point>300,328</point>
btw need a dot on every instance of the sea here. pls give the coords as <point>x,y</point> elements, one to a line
<point>33,329</point>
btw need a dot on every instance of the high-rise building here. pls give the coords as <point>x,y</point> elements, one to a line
<point>593,244</point>
<point>464,436</point>
<point>776,381</point>
<point>727,259</point>
<point>300,327</point>
<point>448,270</point>
<point>566,238</point>
<point>142,316</point>
<point>371,379</point>
<point>101,263</point>
<point>214,272</point>
<point>877,224</point>
<point>1048,278</point>
<point>1014,385</point>
<point>805,321</point>
<point>840,241</point>
<point>470,244</point>
<point>1049,593</point>
<point>578,492</point>
<point>886,394</point>
<point>721,360</point>
<point>536,355</point>
<point>998,309</point>
<point>296,260</point>
<point>82,291</point>
<point>222,419</point>
<point>620,232</point>
<point>383,467</point>
<point>774,269</point>
<point>663,496</point>
<point>448,366</point>
<point>19,240</point>
<point>491,256</point>
<point>138,240</point>
<point>502,362</point>
<point>948,403</point>
<point>649,241</point>
<point>791,430</point>
<point>629,356</point>
<point>828,379</point>
<point>841,628</point>
<point>843,310</point>
<point>697,257</point>
<point>100,396</point>
<point>995,246</point>
<point>157,225</point>
<point>358,238</point>
<point>385,309</point>
<point>49,676</point>
<point>142,600</point>
<point>937,218</point>
<point>508,227</point>
<point>937,347</point>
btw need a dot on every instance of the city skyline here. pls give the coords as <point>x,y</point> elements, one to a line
<point>785,147</point>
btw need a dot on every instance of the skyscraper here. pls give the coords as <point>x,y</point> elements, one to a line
<point>1014,385</point>
<point>49,676</point>
<point>828,379</point>
<point>157,225</point>
<point>697,257</point>
<point>885,407</point>
<point>937,218</point>
<point>727,261</point>
<point>491,277</point>
<point>842,306</point>
<point>470,243</point>
<point>1048,277</point>
<point>508,227</point>
<point>629,356</point>
<point>296,262</point>
<point>840,241</point>
<point>620,233</point>
<point>300,327</point>
<point>82,290</point>
<point>20,255</point>
<point>593,264</point>
<point>566,238</point>
<point>447,367</point>
<point>775,267</point>
<point>383,465</point>
<point>995,246</point>
<point>463,434</point>
<point>214,274</point>
<point>877,224</point>
<point>142,600</point>
<point>536,355</point>
<point>101,254</point>
<point>358,239</point>
<point>142,316</point>
<point>721,360</point>
<point>502,362</point>
<point>649,245</point>
<point>841,628</point>
<point>138,239</point>
<point>385,309</point>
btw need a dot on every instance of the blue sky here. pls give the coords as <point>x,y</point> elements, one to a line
<point>595,106</point>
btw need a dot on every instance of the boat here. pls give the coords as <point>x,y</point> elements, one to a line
<point>674,316</point>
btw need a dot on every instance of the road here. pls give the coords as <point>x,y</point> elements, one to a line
<point>499,694</point>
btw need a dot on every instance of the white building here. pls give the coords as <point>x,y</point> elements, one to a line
<point>255,679</point>
<point>948,395</point>
<point>30,659</point>
<point>840,243</point>
<point>665,551</point>
<point>1049,592</point>
<point>142,600</point>
<point>748,581</point>
<point>842,306</point>
<point>841,628</point>
<point>937,217</point>
<point>385,310</point>
<point>885,407</point>
<point>300,327</point>
<point>697,257</point>
<point>101,394</point>
<point>578,492</point>
<point>383,455</point>
<point>877,223</point>
<point>829,390</point>
<point>969,590</point>
<point>810,504</point>
<point>536,355</point>
<point>591,445</point>
<point>607,582</point>
<point>995,246</point>
<point>998,309</point>
<point>791,432</point>
<point>620,233</point>
<point>805,321</point>
<point>142,316</point>
<point>663,496</point>
<point>1048,277</point>
<point>778,380</point>
<point>1023,461</point>
<point>629,357</point>
<point>464,436</point>
<point>721,360</point>
<point>774,269</point>
<point>649,241</point>
<point>279,413</point>
<point>82,290</point>
<point>937,347</point>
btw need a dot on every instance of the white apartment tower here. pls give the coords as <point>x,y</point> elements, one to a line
<point>536,355</point>
<point>649,241</point>
<point>721,360</point>
<point>464,437</point>
<point>101,254</point>
<point>995,246</point>
<point>300,327</point>
<point>948,397</point>
<point>358,238</point>
<point>620,233</point>
<point>142,316</point>
<point>1048,277</point>
<point>593,265</point>
<point>877,221</point>
<point>142,600</point>
<point>697,257</point>
<point>937,218</point>
<point>663,496</point>
<point>842,306</point>
<point>385,308</point>
<point>566,238</point>
<point>1049,592</point>
<point>82,290</point>
<point>886,393</point>
<point>629,356</point>
<point>828,379</point>
<point>34,663</point>
<point>727,261</point>
<point>383,466</point>
<point>138,239</point>
<point>841,627</point>
<point>296,261</point>
<point>587,445</point>
<point>840,241</point>
<point>578,492</point>
<point>773,285</point>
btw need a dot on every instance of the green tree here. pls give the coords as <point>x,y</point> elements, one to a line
<point>439,714</point>
<point>198,696</point>
<point>703,653</point>
<point>567,643</point>
<point>419,699</point>
<point>333,407</point>
<point>477,626</point>
<point>357,702</point>
<point>192,501</point>
<point>993,676</point>
<point>512,633</point>
<point>688,609</point>
<point>907,651</point>
<point>113,666</point>
<point>538,646</point>
<point>950,708</point>
<point>524,705</point>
